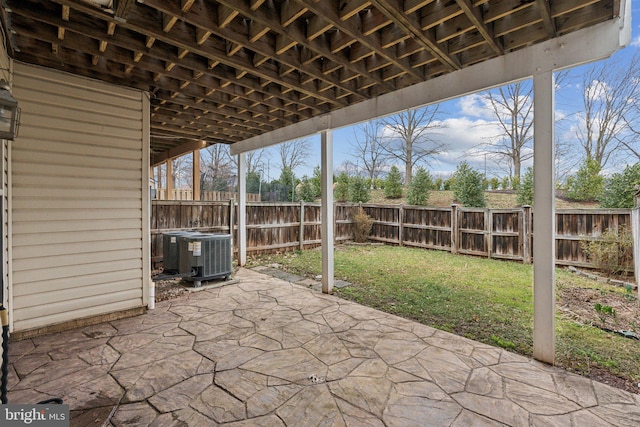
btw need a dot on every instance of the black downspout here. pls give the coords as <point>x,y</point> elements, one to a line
<point>4,315</point>
<point>5,353</point>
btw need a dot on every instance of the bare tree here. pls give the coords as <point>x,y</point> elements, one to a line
<point>409,137</point>
<point>348,167</point>
<point>566,162</point>
<point>610,91</point>
<point>513,107</point>
<point>368,148</point>
<point>255,160</point>
<point>632,146</point>
<point>294,154</point>
<point>216,168</point>
<point>181,171</point>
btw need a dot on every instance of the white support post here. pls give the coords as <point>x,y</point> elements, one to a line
<point>327,211</point>
<point>544,245</point>
<point>242,209</point>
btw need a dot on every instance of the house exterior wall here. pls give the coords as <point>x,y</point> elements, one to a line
<point>79,205</point>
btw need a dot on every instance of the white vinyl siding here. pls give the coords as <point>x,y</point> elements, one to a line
<point>78,188</point>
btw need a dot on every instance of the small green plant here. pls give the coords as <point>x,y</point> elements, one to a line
<point>587,184</point>
<point>505,183</point>
<point>628,292</point>
<point>307,190</point>
<point>341,192</point>
<point>619,189</point>
<point>525,190</point>
<point>468,186</point>
<point>362,224</point>
<point>611,252</point>
<point>421,183</point>
<point>448,183</point>
<point>604,311</point>
<point>393,184</point>
<point>515,182</point>
<point>500,342</point>
<point>495,183</point>
<point>438,184</point>
<point>359,191</point>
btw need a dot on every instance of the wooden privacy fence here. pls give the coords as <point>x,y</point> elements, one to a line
<point>209,196</point>
<point>494,233</point>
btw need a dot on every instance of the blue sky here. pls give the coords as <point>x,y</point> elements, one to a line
<point>468,124</point>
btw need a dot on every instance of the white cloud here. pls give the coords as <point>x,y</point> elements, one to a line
<point>463,139</point>
<point>635,42</point>
<point>475,105</point>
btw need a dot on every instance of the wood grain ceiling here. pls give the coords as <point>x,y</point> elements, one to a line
<point>223,71</point>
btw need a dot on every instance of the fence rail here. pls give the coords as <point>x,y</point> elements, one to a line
<point>494,233</point>
<point>208,196</point>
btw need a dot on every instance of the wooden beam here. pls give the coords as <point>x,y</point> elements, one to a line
<point>410,24</point>
<point>177,152</point>
<point>168,21</point>
<point>317,26</point>
<point>225,15</point>
<point>353,29</point>
<point>296,33</point>
<point>201,35</point>
<point>65,17</point>
<point>411,6</point>
<point>290,11</point>
<point>185,5</point>
<point>547,20</point>
<point>74,42</point>
<point>256,31</point>
<point>349,8</point>
<point>169,168</point>
<point>581,46</point>
<point>474,15</point>
<point>196,174</point>
<point>234,41</point>
<point>122,8</point>
<point>134,23</point>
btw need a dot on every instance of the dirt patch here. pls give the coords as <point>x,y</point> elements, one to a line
<point>169,289</point>
<point>603,376</point>
<point>579,304</point>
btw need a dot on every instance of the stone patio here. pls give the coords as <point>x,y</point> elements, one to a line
<point>265,352</point>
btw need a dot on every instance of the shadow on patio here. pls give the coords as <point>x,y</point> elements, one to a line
<point>265,352</point>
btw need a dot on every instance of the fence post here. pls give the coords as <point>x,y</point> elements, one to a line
<point>526,234</point>
<point>335,227</point>
<point>454,229</point>
<point>231,220</point>
<point>301,233</point>
<point>488,227</point>
<point>400,223</point>
<point>635,231</point>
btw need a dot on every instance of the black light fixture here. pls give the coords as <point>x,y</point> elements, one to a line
<point>9,113</point>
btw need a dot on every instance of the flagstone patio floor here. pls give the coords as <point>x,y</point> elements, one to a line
<point>265,352</point>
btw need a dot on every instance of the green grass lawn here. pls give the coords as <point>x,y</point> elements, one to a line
<point>486,300</point>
